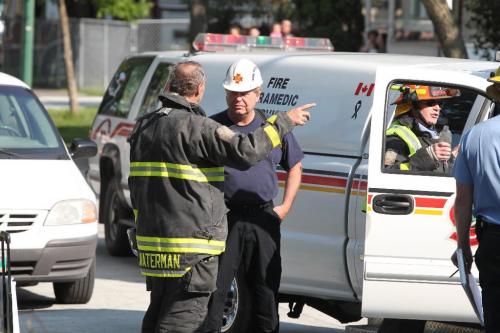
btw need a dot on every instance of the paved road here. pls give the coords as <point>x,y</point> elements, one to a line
<point>119,302</point>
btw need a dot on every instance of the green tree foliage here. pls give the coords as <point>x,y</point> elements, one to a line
<point>484,18</point>
<point>127,10</point>
<point>339,20</point>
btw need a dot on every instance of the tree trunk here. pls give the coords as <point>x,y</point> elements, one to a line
<point>446,29</point>
<point>198,14</point>
<point>68,58</point>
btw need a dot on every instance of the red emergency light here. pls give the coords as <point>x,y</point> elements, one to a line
<point>219,43</point>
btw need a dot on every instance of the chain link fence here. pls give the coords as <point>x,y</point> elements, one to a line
<point>98,48</point>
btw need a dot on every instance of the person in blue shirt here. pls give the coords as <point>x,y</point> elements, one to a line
<point>477,174</point>
<point>254,221</point>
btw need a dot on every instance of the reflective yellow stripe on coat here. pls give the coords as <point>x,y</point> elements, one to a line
<point>180,245</point>
<point>408,137</point>
<point>179,171</point>
<point>273,135</point>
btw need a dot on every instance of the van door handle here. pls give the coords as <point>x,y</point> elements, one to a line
<point>393,204</point>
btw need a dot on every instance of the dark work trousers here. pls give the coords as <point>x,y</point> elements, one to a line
<point>172,309</point>
<point>488,264</point>
<point>253,242</point>
<point>401,326</point>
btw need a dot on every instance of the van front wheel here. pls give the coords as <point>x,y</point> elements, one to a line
<point>238,306</point>
<point>115,234</point>
<point>76,292</point>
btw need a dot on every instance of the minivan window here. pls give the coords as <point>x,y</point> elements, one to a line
<point>155,88</point>
<point>26,130</point>
<point>123,87</point>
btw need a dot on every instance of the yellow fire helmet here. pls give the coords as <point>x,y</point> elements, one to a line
<point>402,108</point>
<point>495,77</point>
<point>413,93</point>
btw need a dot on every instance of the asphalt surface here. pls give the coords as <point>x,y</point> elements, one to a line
<point>119,302</point>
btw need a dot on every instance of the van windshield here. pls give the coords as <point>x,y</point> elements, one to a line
<point>26,131</point>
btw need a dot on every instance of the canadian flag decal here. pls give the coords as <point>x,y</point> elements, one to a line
<point>364,89</point>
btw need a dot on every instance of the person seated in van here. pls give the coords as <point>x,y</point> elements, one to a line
<point>412,141</point>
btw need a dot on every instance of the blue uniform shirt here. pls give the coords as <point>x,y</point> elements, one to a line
<point>259,184</point>
<point>478,164</point>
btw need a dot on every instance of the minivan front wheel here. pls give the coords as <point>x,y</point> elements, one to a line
<point>76,292</point>
<point>115,234</point>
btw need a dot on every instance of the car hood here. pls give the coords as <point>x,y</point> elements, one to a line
<point>39,184</point>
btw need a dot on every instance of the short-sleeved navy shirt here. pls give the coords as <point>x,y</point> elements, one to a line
<point>259,184</point>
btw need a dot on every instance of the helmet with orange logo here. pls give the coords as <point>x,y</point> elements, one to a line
<point>412,93</point>
<point>242,75</point>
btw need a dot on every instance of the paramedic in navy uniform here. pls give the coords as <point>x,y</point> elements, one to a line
<point>254,222</point>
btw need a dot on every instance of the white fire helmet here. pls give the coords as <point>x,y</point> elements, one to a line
<point>242,75</point>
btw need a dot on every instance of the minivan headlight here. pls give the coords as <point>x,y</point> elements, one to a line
<point>72,212</point>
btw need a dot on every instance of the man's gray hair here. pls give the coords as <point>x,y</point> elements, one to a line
<point>186,77</point>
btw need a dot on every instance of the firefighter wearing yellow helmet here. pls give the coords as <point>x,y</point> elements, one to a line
<point>493,91</point>
<point>412,140</point>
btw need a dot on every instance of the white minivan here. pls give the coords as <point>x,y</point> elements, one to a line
<point>45,203</point>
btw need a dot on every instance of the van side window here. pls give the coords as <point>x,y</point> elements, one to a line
<point>424,124</point>
<point>155,88</point>
<point>123,87</point>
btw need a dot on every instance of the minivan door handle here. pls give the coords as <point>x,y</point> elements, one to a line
<point>393,204</point>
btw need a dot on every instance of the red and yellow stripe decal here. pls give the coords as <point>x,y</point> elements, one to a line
<point>323,183</point>
<point>104,129</point>
<point>122,129</point>
<point>423,205</point>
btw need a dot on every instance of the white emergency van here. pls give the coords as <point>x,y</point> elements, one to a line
<point>45,203</point>
<point>361,240</point>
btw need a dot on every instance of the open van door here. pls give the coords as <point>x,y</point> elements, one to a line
<point>410,231</point>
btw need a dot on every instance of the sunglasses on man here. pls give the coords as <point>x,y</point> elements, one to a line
<point>431,102</point>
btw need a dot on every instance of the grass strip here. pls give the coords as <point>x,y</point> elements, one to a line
<point>73,125</point>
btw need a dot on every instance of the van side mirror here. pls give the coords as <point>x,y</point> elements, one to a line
<point>82,148</point>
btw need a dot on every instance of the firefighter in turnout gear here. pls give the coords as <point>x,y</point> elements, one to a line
<point>176,178</point>
<point>412,141</point>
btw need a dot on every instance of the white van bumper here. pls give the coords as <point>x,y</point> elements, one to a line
<point>59,261</point>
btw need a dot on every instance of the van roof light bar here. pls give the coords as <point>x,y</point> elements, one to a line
<point>220,43</point>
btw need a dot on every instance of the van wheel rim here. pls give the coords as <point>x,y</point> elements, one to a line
<point>230,307</point>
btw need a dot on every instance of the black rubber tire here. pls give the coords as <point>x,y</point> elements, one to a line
<point>110,211</point>
<point>76,292</point>
<point>244,309</point>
